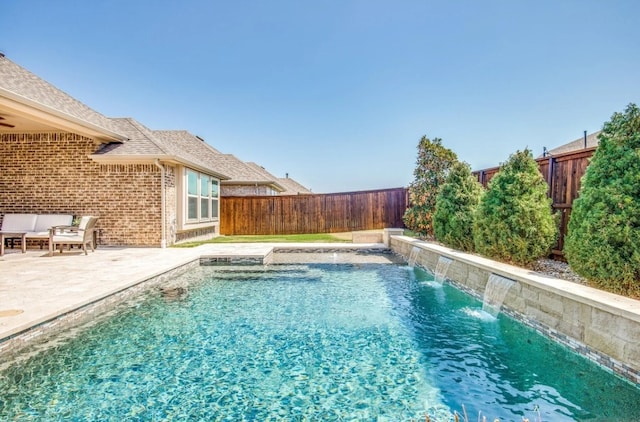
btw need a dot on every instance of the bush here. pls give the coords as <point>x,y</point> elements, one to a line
<point>514,222</point>
<point>432,166</point>
<point>456,204</point>
<point>603,239</point>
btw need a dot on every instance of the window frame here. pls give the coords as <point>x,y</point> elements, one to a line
<point>212,201</point>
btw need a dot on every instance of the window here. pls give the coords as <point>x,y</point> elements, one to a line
<point>215,194</point>
<point>202,197</point>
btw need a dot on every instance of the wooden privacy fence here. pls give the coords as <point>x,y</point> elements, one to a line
<point>326,213</point>
<point>563,174</point>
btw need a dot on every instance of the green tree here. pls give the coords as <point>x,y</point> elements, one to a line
<point>603,239</point>
<point>432,165</point>
<point>514,221</point>
<point>456,204</point>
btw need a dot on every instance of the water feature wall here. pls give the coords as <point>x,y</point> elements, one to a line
<point>599,325</point>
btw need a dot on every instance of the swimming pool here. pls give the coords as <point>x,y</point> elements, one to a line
<point>316,342</point>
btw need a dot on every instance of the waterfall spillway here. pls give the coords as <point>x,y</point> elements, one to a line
<point>441,269</point>
<point>495,292</point>
<point>413,256</point>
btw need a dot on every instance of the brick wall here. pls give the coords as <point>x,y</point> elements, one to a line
<point>129,203</point>
<point>51,173</point>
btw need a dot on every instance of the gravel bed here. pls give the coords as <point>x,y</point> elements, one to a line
<point>557,269</point>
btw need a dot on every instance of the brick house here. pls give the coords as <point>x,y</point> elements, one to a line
<point>251,179</point>
<point>244,178</point>
<point>587,141</point>
<point>247,181</point>
<point>148,188</point>
<point>292,187</point>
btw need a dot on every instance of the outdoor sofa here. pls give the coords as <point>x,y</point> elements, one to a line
<point>30,226</point>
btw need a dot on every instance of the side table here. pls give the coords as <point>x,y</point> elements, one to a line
<point>9,235</point>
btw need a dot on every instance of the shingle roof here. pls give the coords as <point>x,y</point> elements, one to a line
<point>162,144</point>
<point>262,171</point>
<point>25,87</point>
<point>240,172</point>
<point>22,86</point>
<point>292,187</point>
<point>141,141</point>
<point>578,144</point>
<point>181,143</point>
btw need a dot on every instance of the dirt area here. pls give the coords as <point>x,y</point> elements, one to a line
<point>343,235</point>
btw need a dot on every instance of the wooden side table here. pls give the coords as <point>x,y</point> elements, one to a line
<point>9,235</point>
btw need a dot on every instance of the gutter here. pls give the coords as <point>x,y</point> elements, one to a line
<point>163,211</point>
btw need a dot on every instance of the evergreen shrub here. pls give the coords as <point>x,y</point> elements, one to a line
<point>456,204</point>
<point>603,236</point>
<point>514,222</point>
<point>432,166</point>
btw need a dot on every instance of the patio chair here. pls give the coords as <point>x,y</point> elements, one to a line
<point>82,234</point>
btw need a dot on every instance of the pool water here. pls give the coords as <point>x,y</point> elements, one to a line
<point>308,342</point>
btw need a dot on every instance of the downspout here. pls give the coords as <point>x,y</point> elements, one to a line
<point>163,242</point>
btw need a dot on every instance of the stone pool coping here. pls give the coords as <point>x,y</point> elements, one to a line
<point>38,293</point>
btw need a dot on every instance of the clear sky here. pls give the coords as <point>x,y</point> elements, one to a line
<point>337,93</point>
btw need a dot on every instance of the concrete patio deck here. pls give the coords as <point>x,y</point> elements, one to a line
<point>35,288</point>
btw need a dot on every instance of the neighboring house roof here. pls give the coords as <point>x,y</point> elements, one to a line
<point>241,173</point>
<point>28,102</point>
<point>165,145</point>
<point>261,170</point>
<point>578,144</point>
<point>292,187</point>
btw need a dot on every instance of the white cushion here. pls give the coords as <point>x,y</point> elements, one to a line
<point>45,221</point>
<point>37,235</point>
<point>62,238</point>
<point>18,222</point>
<point>83,222</point>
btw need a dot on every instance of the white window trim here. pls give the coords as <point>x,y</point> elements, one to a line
<point>214,201</point>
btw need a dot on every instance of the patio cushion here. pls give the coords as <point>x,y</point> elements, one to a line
<point>18,222</point>
<point>45,221</point>
<point>68,237</point>
<point>37,235</point>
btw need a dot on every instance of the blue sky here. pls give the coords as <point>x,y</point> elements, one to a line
<point>338,93</point>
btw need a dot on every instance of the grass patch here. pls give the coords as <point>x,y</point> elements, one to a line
<point>285,238</point>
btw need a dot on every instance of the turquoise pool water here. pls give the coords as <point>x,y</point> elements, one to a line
<point>308,342</point>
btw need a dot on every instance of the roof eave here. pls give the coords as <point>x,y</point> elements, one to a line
<point>51,116</point>
<point>152,158</point>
